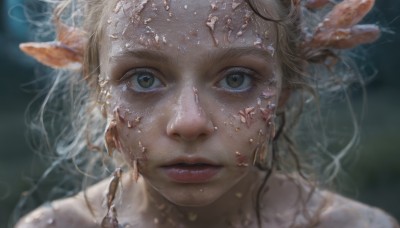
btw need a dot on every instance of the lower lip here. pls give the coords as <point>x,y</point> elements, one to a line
<point>191,174</point>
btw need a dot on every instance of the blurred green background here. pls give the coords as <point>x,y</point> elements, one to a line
<point>374,178</point>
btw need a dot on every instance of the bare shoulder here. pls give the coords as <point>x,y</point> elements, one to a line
<point>70,212</point>
<point>344,212</point>
<point>61,213</point>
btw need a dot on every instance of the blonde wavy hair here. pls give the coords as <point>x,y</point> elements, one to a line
<point>303,143</point>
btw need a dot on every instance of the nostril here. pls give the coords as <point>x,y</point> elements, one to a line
<point>190,129</point>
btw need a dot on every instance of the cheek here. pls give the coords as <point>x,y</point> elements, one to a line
<point>123,133</point>
<point>244,130</point>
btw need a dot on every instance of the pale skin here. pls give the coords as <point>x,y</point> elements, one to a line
<point>195,82</point>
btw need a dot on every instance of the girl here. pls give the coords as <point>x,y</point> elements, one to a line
<point>196,102</point>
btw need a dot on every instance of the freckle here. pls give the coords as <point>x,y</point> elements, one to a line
<point>239,195</point>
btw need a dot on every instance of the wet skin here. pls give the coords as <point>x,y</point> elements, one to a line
<point>191,82</point>
<point>188,77</point>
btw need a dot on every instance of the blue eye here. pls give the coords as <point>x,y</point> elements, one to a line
<point>143,80</point>
<point>237,80</point>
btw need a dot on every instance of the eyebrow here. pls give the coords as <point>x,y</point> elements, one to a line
<point>219,54</point>
<point>236,52</point>
<point>140,54</point>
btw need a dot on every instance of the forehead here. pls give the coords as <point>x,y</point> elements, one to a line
<point>184,24</point>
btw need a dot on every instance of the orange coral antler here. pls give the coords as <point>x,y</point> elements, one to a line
<point>338,30</point>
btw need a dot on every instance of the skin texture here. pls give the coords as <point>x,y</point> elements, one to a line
<point>190,98</point>
<point>191,113</point>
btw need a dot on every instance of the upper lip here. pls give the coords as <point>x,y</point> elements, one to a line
<point>190,161</point>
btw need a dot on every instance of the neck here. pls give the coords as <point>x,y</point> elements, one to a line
<point>236,207</point>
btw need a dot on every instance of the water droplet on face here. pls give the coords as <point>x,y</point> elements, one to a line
<point>128,45</point>
<point>155,221</point>
<point>185,6</point>
<point>50,221</point>
<point>258,42</point>
<point>271,50</point>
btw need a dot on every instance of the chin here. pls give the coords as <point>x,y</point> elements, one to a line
<point>192,196</point>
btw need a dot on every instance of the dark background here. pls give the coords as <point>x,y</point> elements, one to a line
<point>373,179</point>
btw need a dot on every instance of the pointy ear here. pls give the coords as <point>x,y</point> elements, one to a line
<point>53,54</point>
<point>72,37</point>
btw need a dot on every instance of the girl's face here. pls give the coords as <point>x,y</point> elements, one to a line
<point>193,87</point>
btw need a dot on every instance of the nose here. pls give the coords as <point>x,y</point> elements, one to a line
<point>189,121</point>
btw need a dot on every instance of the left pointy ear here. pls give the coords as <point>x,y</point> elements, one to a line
<point>64,53</point>
<point>54,54</point>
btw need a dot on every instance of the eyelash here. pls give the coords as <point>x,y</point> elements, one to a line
<point>250,79</point>
<point>130,79</point>
<point>249,74</point>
